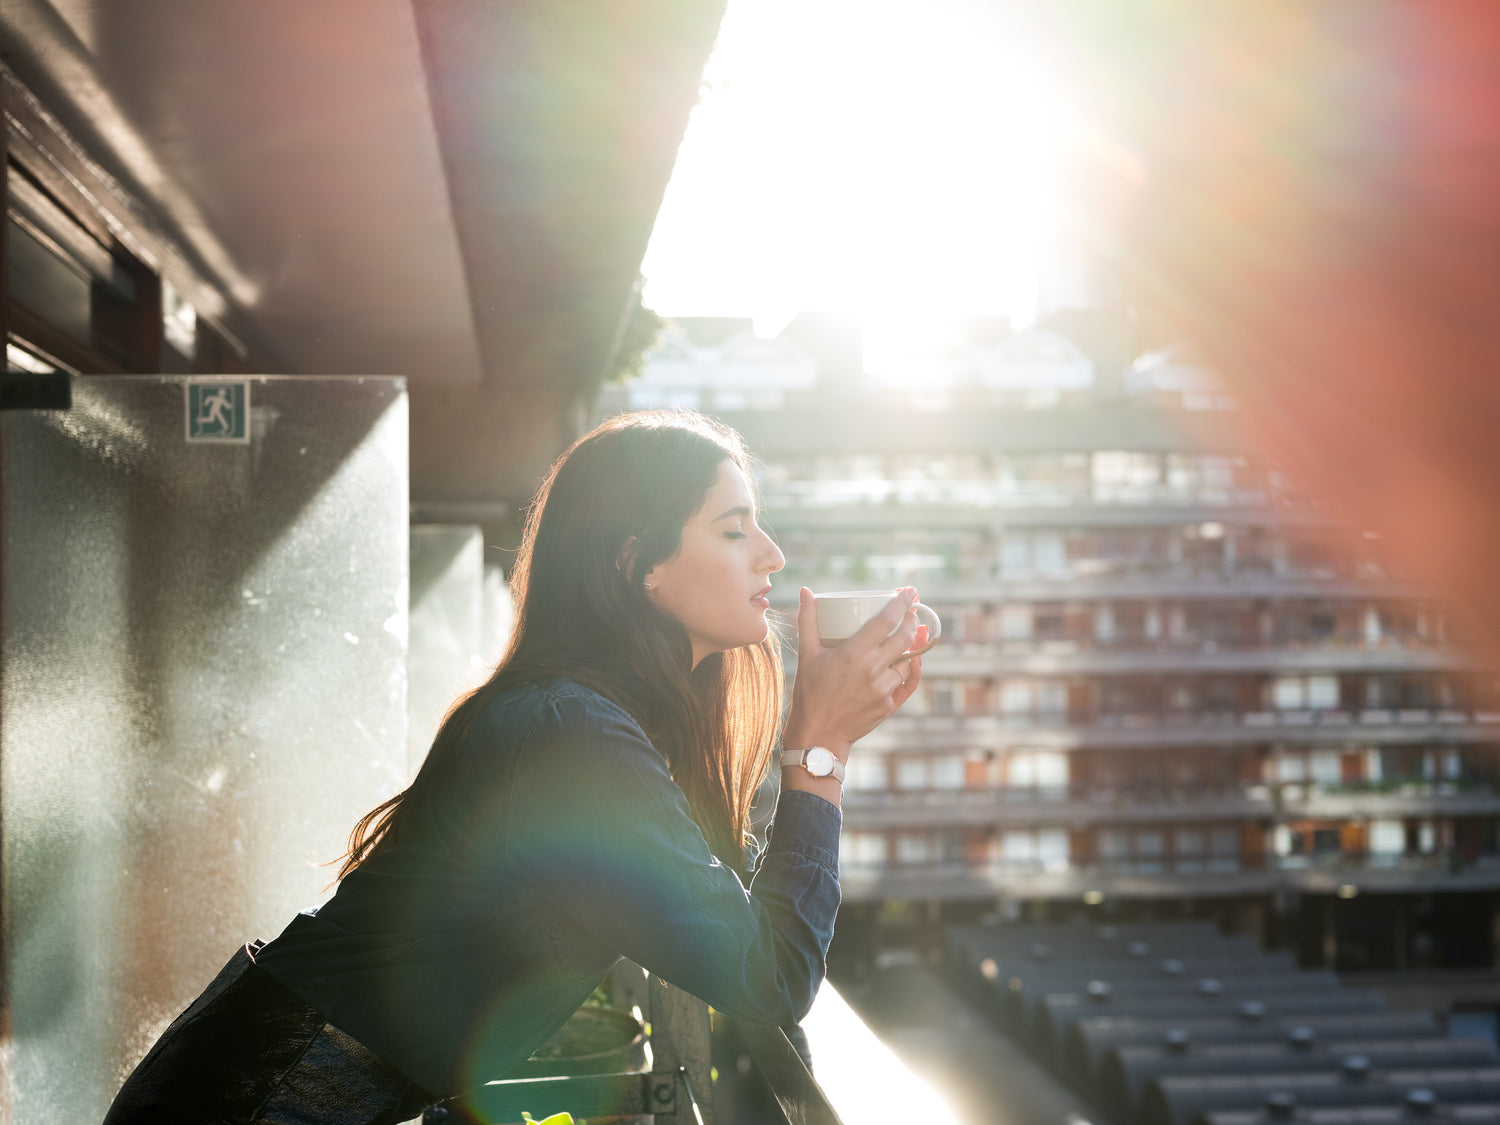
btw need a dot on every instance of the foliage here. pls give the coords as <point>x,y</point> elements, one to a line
<point>638,334</point>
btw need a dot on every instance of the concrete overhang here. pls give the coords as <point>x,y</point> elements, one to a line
<point>456,192</point>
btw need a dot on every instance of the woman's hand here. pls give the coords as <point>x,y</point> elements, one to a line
<point>842,693</point>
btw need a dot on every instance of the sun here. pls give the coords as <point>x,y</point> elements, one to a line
<point>894,161</point>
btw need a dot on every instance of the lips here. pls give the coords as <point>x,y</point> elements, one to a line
<point>761,598</point>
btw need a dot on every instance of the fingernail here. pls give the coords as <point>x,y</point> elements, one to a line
<point>910,593</point>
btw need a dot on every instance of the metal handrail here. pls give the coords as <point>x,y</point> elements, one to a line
<point>656,1094</point>
<point>588,1095</point>
<point>797,1092</point>
<point>678,1052</point>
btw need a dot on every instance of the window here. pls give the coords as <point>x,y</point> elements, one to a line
<point>1291,768</point>
<point>1033,553</point>
<point>911,773</point>
<point>1189,842</point>
<point>1022,701</point>
<point>1323,766</point>
<point>1114,845</point>
<point>942,698</point>
<point>1038,769</point>
<point>1123,476</point>
<point>865,772</point>
<point>1015,698</point>
<point>1322,692</point>
<point>1188,848</point>
<point>1049,623</point>
<point>1387,838</point>
<point>1225,843</point>
<point>1150,847</point>
<point>1288,693</point>
<point>914,847</point>
<point>1015,623</point>
<point>1050,554</point>
<point>1052,848</point>
<point>1051,698</point>
<point>863,849</point>
<point>1015,554</point>
<point>1033,849</point>
<point>1297,693</point>
<point>948,772</point>
<point>1018,847</point>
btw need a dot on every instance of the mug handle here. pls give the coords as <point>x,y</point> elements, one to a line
<point>934,631</point>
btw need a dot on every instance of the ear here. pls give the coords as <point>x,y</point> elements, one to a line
<point>626,561</point>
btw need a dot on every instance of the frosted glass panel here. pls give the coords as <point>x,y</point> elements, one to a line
<point>461,618</point>
<point>204,653</point>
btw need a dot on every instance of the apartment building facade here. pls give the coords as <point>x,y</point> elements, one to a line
<point>1170,681</point>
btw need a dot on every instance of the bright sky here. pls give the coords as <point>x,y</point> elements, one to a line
<point>889,159</point>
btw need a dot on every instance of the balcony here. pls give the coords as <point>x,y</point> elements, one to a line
<point>1079,806</point>
<point>1388,799</point>
<point>1075,496</point>
<point>1001,807</point>
<point>1202,658</point>
<point>1368,727</point>
<point>980,582</point>
<point>1230,878</point>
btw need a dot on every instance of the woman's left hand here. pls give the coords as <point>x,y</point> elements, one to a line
<point>843,692</point>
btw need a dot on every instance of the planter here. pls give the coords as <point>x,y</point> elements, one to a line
<point>593,1041</point>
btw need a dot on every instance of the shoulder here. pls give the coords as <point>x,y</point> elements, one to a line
<point>558,709</point>
<point>569,704</point>
<point>583,746</point>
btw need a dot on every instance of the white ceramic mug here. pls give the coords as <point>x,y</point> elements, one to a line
<point>840,615</point>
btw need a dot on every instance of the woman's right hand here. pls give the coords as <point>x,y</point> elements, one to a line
<point>843,692</point>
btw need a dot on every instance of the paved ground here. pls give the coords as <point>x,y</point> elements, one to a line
<point>987,1078</point>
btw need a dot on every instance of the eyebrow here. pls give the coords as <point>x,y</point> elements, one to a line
<point>740,511</point>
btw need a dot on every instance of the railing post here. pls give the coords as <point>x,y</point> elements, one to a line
<point>680,1037</point>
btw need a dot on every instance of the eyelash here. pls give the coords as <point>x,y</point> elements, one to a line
<point>734,535</point>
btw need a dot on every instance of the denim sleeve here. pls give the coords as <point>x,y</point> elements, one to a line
<point>599,827</point>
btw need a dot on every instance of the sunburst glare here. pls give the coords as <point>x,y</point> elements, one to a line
<point>892,162</point>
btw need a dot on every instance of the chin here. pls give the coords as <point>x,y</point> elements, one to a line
<point>750,639</point>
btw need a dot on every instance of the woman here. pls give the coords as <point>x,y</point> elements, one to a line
<point>589,801</point>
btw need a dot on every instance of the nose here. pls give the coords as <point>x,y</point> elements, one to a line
<point>771,556</point>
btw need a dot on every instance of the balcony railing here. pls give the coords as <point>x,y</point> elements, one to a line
<point>1073,658</point>
<point>1163,728</point>
<point>676,1083</point>
<point>1073,879</point>
<point>970,579</point>
<point>937,810</point>
<point>827,494</point>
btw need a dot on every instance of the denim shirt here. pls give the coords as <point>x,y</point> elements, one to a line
<point>556,842</point>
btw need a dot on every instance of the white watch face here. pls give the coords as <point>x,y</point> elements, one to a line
<point>820,761</point>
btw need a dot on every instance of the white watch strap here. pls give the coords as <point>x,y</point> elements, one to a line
<point>799,758</point>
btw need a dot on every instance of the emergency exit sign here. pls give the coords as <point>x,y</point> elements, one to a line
<point>218,411</point>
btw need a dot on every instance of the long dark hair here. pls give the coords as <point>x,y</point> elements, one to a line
<point>610,509</point>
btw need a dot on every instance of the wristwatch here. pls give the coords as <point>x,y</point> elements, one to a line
<point>816,760</point>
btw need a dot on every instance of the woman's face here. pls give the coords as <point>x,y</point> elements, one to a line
<point>717,583</point>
